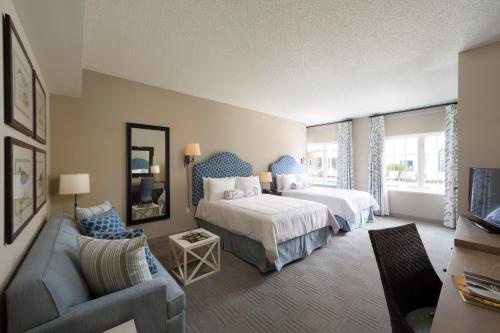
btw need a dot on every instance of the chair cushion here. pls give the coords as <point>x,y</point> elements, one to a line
<point>176,301</point>
<point>129,234</point>
<point>107,222</point>
<point>113,265</point>
<point>90,212</point>
<point>420,320</point>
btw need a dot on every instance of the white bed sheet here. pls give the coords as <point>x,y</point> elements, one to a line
<point>345,203</point>
<point>266,218</point>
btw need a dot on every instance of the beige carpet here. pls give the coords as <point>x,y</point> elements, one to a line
<point>336,289</point>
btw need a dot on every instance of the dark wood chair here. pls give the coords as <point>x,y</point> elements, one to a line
<point>408,278</point>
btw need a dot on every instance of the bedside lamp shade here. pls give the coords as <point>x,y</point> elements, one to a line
<point>155,169</point>
<point>74,183</point>
<point>310,155</point>
<point>192,149</point>
<point>265,177</point>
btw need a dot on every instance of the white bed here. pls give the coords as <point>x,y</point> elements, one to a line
<point>351,205</point>
<point>268,219</point>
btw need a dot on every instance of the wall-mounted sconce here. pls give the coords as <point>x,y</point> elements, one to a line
<point>192,150</point>
<point>307,160</point>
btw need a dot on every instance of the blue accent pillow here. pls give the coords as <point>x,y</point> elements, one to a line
<point>109,222</point>
<point>129,234</point>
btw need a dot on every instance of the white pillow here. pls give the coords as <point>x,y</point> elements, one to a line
<point>303,180</point>
<point>217,187</point>
<point>279,182</point>
<point>287,181</point>
<point>245,183</point>
<point>205,188</point>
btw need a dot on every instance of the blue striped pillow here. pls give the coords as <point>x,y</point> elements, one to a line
<point>129,234</point>
<point>107,222</point>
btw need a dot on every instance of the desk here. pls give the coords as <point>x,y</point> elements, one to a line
<point>452,314</point>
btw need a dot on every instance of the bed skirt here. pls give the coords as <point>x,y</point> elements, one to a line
<point>364,216</point>
<point>253,252</point>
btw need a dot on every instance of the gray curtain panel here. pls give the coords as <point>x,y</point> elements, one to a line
<point>376,184</point>
<point>451,167</point>
<point>345,174</point>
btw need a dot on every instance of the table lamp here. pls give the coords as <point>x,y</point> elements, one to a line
<point>266,177</point>
<point>154,169</point>
<point>74,184</point>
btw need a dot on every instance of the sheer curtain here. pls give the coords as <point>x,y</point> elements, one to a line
<point>451,167</point>
<point>345,174</point>
<point>376,182</point>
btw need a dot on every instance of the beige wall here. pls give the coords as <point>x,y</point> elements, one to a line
<point>478,114</point>
<point>89,136</point>
<point>11,255</point>
<point>412,204</point>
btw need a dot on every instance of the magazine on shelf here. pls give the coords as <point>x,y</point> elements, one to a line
<point>194,237</point>
<point>483,286</point>
<point>468,297</point>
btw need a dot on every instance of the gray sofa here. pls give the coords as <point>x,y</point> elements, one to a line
<point>49,292</point>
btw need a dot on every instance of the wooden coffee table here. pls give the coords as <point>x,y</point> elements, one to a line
<point>204,253</point>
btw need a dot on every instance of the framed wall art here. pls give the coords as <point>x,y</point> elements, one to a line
<point>40,109</point>
<point>18,81</point>
<point>40,178</point>
<point>19,187</point>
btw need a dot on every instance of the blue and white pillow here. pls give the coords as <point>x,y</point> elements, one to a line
<point>129,234</point>
<point>234,194</point>
<point>109,222</point>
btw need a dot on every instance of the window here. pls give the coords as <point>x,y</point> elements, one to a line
<point>323,168</point>
<point>415,162</point>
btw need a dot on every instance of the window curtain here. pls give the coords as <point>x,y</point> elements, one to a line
<point>451,167</point>
<point>376,182</point>
<point>345,174</point>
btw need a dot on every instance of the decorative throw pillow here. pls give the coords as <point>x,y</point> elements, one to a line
<point>129,234</point>
<point>107,222</point>
<point>252,192</point>
<point>217,187</point>
<point>287,181</point>
<point>244,183</point>
<point>112,265</point>
<point>279,182</point>
<point>90,212</point>
<point>234,194</point>
<point>303,179</point>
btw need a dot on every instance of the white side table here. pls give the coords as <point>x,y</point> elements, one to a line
<point>182,252</point>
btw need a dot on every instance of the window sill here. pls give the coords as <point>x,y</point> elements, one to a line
<point>415,190</point>
<point>324,185</point>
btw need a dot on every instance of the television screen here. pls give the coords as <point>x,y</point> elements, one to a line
<point>484,195</point>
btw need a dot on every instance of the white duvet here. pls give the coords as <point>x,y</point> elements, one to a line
<point>268,219</point>
<point>345,203</point>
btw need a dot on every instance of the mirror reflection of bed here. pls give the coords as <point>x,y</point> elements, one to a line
<point>148,190</point>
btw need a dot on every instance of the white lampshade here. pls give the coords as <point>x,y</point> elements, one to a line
<point>74,183</point>
<point>265,177</point>
<point>155,169</point>
<point>310,155</point>
<point>192,149</point>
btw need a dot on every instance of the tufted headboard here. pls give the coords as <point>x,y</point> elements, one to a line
<point>284,165</point>
<point>219,165</point>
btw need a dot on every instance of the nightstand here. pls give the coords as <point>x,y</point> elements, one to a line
<point>271,192</point>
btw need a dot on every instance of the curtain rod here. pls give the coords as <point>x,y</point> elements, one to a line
<point>389,113</point>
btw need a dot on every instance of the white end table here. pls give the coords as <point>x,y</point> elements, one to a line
<point>205,252</point>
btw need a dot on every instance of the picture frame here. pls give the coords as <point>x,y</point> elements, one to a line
<point>40,178</point>
<point>18,81</point>
<point>39,110</point>
<point>19,187</point>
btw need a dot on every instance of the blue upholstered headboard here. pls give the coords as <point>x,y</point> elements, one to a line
<point>284,165</point>
<point>219,165</point>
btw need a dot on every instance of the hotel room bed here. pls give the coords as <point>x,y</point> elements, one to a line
<point>351,208</point>
<point>265,230</point>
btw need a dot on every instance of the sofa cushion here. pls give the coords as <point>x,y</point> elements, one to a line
<point>107,222</point>
<point>49,281</point>
<point>129,234</point>
<point>90,212</point>
<point>113,265</point>
<point>176,301</point>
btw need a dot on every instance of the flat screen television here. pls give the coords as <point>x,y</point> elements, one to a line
<point>484,198</point>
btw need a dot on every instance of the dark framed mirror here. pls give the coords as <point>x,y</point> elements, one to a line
<point>148,173</point>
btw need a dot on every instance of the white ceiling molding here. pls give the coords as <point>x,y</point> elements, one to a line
<point>55,31</point>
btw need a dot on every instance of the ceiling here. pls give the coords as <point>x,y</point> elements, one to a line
<point>313,61</point>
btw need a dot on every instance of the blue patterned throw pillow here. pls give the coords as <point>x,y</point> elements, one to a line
<point>129,234</point>
<point>107,222</point>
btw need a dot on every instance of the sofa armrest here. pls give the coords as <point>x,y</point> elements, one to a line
<point>146,303</point>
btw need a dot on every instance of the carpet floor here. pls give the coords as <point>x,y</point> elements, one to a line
<point>336,289</point>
